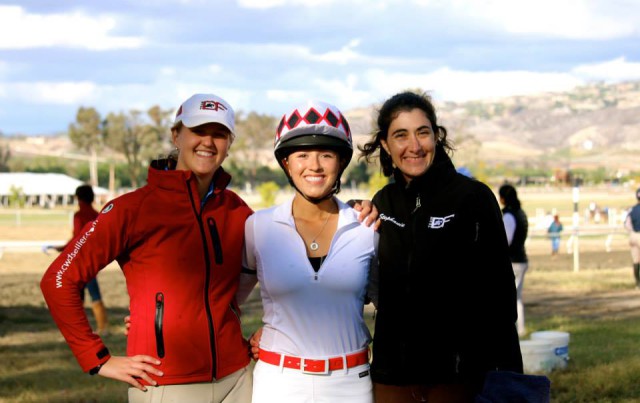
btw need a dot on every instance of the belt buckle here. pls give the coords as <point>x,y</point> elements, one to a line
<point>305,371</point>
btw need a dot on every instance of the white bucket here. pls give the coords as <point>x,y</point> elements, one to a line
<point>537,356</point>
<point>560,343</point>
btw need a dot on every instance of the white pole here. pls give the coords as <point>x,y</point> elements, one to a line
<point>93,168</point>
<point>576,223</point>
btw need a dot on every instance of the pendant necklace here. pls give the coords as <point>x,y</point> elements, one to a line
<point>314,245</point>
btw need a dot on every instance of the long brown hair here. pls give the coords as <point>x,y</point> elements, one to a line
<point>401,102</point>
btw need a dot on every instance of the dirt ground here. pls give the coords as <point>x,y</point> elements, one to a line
<point>623,302</point>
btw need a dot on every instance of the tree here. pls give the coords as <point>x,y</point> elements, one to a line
<point>130,136</point>
<point>86,134</point>
<point>5,155</point>
<point>17,197</point>
<point>254,133</point>
<point>268,193</point>
<point>357,172</point>
<point>376,182</point>
<point>160,127</point>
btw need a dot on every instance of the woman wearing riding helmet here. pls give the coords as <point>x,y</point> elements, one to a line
<point>312,258</point>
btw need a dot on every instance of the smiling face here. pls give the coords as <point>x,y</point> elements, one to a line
<point>313,172</point>
<point>411,143</point>
<point>202,148</point>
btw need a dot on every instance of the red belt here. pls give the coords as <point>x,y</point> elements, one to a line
<point>322,366</point>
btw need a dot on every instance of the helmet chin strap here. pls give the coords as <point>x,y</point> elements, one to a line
<point>317,200</point>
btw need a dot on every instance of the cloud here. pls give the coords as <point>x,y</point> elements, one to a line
<point>264,4</point>
<point>20,30</point>
<point>286,95</point>
<point>4,68</point>
<point>570,19</point>
<point>610,71</point>
<point>454,85</point>
<point>48,93</point>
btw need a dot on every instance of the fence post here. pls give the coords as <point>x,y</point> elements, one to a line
<point>576,223</point>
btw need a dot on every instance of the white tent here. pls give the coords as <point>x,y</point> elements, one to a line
<point>43,189</point>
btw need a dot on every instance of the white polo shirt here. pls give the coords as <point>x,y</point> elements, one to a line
<point>309,314</point>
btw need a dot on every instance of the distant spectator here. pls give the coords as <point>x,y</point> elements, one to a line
<point>632,225</point>
<point>516,225</point>
<point>593,208</point>
<point>555,228</point>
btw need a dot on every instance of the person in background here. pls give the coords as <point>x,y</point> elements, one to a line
<point>178,240</point>
<point>516,226</point>
<point>86,213</point>
<point>312,258</point>
<point>444,288</point>
<point>632,225</point>
<point>554,231</point>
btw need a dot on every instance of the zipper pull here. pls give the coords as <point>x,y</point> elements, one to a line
<point>418,205</point>
<point>315,276</point>
<point>477,231</point>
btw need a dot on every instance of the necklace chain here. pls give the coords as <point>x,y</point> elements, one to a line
<point>314,245</point>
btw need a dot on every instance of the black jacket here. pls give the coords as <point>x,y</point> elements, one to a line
<point>446,292</point>
<point>517,252</point>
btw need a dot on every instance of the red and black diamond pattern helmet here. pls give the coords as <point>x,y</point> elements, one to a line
<point>314,125</point>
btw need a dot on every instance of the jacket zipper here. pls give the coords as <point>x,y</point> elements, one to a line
<point>215,239</point>
<point>413,231</point>
<point>212,337</point>
<point>418,205</point>
<point>158,324</point>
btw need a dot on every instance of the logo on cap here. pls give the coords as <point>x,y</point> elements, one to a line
<point>212,105</point>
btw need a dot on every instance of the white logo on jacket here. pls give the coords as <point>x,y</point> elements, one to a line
<point>71,255</point>
<point>384,217</point>
<point>439,222</point>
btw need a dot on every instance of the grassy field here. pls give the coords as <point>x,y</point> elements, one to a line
<point>598,306</point>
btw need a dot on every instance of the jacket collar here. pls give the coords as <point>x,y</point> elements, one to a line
<point>162,174</point>
<point>441,171</point>
<point>346,215</point>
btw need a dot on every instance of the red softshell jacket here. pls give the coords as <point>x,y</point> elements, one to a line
<point>182,266</point>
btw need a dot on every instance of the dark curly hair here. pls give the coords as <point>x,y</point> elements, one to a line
<point>401,102</point>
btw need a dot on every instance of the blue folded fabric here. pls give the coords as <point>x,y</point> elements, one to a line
<point>511,387</point>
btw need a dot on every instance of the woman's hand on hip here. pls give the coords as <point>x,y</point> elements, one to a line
<point>130,369</point>
<point>254,344</point>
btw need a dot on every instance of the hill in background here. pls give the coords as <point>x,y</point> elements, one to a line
<point>589,127</point>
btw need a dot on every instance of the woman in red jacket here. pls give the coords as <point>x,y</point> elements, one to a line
<point>178,241</point>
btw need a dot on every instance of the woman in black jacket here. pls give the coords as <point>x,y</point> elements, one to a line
<point>516,226</point>
<point>445,288</point>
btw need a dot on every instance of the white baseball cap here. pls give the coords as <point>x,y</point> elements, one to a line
<point>206,108</point>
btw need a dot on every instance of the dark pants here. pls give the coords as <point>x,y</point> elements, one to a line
<point>443,393</point>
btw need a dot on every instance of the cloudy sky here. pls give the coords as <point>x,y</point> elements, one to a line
<point>266,55</point>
